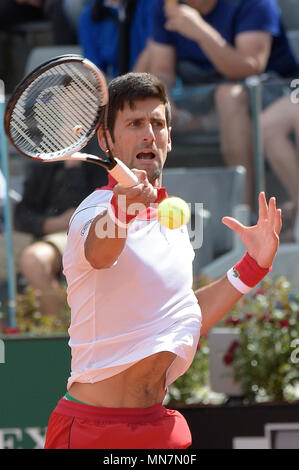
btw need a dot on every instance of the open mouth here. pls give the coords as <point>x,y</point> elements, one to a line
<point>145,156</point>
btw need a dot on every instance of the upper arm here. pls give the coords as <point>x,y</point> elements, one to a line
<point>163,58</point>
<point>257,22</point>
<point>255,45</point>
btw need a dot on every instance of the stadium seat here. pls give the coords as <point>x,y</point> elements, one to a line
<point>290,14</point>
<point>33,32</point>
<point>41,54</point>
<point>221,191</point>
<point>293,37</point>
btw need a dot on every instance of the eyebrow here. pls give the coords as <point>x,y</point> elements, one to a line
<point>143,118</point>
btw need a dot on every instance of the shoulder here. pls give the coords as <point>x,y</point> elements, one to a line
<point>258,15</point>
<point>91,206</point>
<point>99,196</point>
<point>256,6</point>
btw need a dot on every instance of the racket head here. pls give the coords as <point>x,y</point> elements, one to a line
<point>57,108</point>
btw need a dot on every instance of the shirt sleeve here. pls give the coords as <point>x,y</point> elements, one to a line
<point>82,219</point>
<point>258,15</point>
<point>85,36</point>
<point>160,34</point>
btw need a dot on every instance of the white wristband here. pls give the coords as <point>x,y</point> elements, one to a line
<point>233,277</point>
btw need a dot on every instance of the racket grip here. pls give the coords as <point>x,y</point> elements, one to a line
<point>123,174</point>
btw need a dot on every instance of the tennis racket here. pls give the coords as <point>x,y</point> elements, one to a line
<point>55,111</point>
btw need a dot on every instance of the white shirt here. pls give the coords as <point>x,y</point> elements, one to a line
<point>141,305</point>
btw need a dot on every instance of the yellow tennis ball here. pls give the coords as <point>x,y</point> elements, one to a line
<point>173,212</point>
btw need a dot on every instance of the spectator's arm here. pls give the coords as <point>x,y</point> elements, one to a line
<point>57,223</point>
<point>163,60</point>
<point>143,62</point>
<point>256,47</point>
<point>248,57</point>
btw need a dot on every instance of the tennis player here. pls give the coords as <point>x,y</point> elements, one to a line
<point>135,320</point>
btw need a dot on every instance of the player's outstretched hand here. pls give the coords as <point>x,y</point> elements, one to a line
<point>261,240</point>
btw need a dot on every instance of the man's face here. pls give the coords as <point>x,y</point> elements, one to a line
<point>202,6</point>
<point>142,138</point>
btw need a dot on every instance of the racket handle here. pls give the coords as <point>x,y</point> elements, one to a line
<point>123,174</point>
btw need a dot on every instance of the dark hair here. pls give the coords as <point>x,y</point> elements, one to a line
<point>131,87</point>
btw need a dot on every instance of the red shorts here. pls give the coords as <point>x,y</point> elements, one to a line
<point>77,426</point>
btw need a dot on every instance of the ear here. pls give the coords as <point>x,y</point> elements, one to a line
<point>101,140</point>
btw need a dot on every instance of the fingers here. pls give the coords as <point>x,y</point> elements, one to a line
<point>233,224</point>
<point>278,221</point>
<point>141,175</point>
<point>143,192</point>
<point>170,7</point>
<point>263,207</point>
<point>267,211</point>
<point>270,212</point>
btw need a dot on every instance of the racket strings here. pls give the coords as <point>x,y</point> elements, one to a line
<point>57,111</point>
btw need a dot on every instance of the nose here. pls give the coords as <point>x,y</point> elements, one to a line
<point>149,135</point>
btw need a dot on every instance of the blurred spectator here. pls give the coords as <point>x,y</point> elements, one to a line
<point>19,11</point>
<point>114,34</point>
<point>51,194</point>
<point>280,131</point>
<point>73,10</point>
<point>222,42</point>
<point>13,12</point>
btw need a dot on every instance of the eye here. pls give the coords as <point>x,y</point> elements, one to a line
<point>135,123</point>
<point>158,124</point>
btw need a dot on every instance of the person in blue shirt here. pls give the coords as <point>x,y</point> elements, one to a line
<point>99,34</point>
<point>224,42</point>
<point>280,132</point>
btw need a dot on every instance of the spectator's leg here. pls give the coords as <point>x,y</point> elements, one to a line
<point>278,121</point>
<point>232,105</point>
<point>40,264</point>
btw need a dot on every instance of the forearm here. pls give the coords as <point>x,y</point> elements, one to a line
<point>228,60</point>
<point>215,301</point>
<point>143,62</point>
<point>163,58</point>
